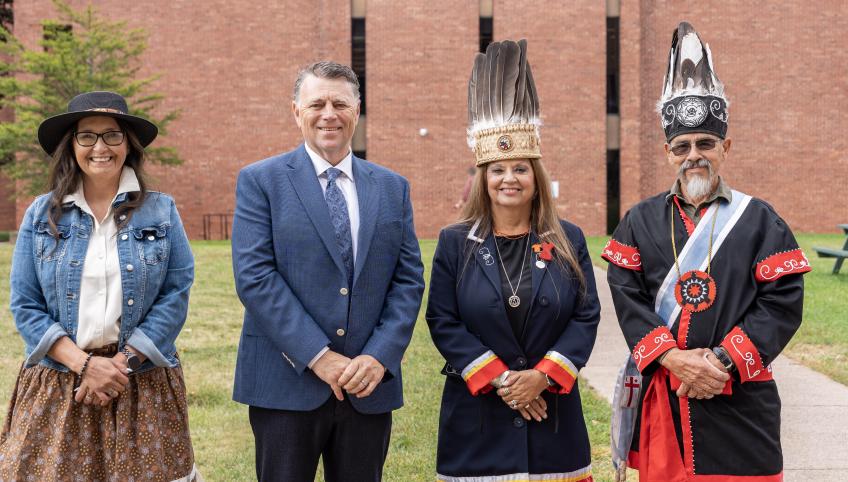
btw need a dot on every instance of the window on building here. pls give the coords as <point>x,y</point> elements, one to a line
<point>357,56</point>
<point>7,17</point>
<point>613,122</point>
<point>486,23</point>
<point>357,63</point>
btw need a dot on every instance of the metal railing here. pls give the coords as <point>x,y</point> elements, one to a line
<point>217,223</point>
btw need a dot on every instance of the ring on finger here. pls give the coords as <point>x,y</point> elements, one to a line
<point>513,403</point>
<point>506,391</point>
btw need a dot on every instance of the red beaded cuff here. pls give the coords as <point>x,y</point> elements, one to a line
<point>745,355</point>
<point>622,255</point>
<point>655,343</point>
<point>782,264</point>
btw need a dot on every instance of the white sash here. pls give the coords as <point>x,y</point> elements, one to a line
<point>696,251</point>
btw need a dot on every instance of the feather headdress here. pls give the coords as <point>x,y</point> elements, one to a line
<point>693,97</point>
<point>503,106</point>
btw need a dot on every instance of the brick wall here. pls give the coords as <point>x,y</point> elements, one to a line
<point>784,73</point>
<point>229,66</point>
<point>566,48</point>
<point>419,59</point>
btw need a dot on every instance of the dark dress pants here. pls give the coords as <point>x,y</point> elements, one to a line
<point>288,443</point>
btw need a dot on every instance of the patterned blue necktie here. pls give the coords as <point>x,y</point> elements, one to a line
<point>340,219</point>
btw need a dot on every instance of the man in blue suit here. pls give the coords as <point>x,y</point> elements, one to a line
<point>329,271</point>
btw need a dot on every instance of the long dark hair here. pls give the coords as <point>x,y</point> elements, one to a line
<point>66,175</point>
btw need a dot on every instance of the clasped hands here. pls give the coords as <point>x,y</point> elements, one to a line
<point>104,379</point>
<point>358,376</point>
<point>701,374</point>
<point>521,391</point>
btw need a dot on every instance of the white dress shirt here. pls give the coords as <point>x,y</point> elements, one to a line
<point>100,297</point>
<point>347,186</point>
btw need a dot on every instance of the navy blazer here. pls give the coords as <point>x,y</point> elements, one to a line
<point>291,279</point>
<point>478,432</point>
<point>468,320</point>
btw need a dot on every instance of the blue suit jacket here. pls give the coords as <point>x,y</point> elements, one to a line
<point>290,277</point>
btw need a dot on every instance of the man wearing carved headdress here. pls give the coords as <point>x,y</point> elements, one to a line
<point>707,287</point>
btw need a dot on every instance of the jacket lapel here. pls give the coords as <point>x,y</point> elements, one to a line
<point>538,274</point>
<point>487,258</point>
<point>369,197</point>
<point>306,185</point>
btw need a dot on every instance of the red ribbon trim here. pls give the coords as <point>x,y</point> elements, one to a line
<point>690,226</point>
<point>479,382</point>
<point>745,356</point>
<point>782,264</point>
<point>623,256</point>
<point>655,343</point>
<point>557,374</point>
<point>659,455</point>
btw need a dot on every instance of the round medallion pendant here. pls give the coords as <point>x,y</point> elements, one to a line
<point>505,143</point>
<point>691,111</point>
<point>695,291</point>
<point>514,301</point>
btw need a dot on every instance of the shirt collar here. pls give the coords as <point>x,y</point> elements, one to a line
<point>321,165</point>
<point>722,191</point>
<point>128,183</point>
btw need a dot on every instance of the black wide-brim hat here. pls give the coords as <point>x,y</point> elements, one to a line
<point>89,104</point>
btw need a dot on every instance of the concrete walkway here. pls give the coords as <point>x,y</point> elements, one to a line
<point>814,429</point>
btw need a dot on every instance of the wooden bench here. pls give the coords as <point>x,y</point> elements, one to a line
<point>839,254</point>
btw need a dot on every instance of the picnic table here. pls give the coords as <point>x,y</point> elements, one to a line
<point>839,254</point>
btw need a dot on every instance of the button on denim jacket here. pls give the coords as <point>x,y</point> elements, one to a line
<point>157,270</point>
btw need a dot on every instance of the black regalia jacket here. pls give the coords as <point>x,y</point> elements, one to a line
<point>480,437</point>
<point>735,436</point>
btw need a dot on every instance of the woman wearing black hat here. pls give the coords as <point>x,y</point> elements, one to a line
<point>99,291</point>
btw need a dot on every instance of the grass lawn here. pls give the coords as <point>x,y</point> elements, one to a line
<point>822,341</point>
<point>221,434</point>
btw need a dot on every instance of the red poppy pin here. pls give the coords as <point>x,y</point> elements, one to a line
<point>544,250</point>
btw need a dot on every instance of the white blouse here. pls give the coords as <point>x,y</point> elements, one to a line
<point>100,298</point>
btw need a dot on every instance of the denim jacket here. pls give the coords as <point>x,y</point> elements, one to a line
<point>157,270</point>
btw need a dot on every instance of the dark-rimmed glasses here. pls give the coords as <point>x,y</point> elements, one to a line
<point>110,138</point>
<point>683,148</point>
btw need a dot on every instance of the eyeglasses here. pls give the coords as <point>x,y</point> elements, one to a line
<point>88,139</point>
<point>701,144</point>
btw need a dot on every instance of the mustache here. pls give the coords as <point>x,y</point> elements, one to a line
<point>685,165</point>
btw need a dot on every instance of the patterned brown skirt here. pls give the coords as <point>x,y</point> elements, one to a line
<point>140,436</point>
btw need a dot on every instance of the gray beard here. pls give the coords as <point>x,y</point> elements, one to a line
<point>697,187</point>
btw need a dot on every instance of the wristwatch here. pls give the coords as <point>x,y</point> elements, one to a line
<point>133,361</point>
<point>724,358</point>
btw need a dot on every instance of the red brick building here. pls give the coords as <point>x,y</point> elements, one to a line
<point>229,66</point>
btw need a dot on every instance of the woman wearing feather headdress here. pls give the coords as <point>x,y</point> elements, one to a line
<point>512,305</point>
